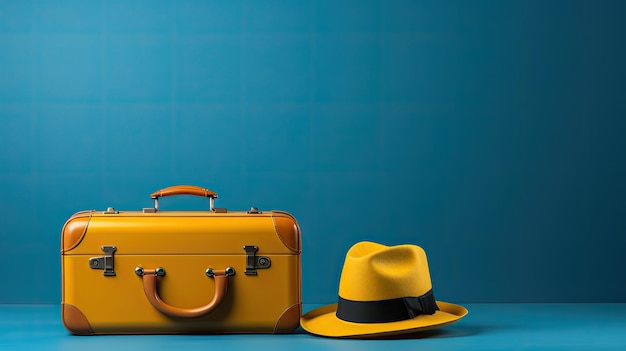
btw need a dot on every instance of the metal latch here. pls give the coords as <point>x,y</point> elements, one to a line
<point>254,262</point>
<point>105,262</point>
<point>111,210</point>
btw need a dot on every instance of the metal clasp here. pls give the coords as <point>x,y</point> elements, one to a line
<point>106,263</point>
<point>254,210</point>
<point>254,262</point>
<point>111,210</point>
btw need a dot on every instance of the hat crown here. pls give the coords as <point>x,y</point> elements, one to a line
<point>373,272</point>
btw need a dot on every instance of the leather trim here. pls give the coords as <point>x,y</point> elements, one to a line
<point>289,320</point>
<point>75,321</point>
<point>288,231</point>
<point>73,232</point>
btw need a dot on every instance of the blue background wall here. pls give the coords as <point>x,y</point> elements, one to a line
<point>489,132</point>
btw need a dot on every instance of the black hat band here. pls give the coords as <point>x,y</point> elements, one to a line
<point>383,311</point>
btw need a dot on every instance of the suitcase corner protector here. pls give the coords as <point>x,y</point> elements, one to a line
<point>75,321</point>
<point>288,232</point>
<point>73,232</point>
<point>289,320</point>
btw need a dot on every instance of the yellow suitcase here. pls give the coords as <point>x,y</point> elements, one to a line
<point>153,272</point>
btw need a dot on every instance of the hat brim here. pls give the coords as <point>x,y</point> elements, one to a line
<point>323,321</point>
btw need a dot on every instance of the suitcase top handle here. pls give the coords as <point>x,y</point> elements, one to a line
<point>184,190</point>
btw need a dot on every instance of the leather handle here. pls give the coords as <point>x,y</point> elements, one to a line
<point>150,289</point>
<point>183,190</point>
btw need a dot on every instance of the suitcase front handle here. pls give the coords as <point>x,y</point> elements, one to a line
<point>184,190</point>
<point>150,289</point>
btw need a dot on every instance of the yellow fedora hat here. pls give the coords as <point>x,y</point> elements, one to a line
<point>383,290</point>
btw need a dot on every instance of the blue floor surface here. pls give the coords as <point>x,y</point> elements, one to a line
<point>487,327</point>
